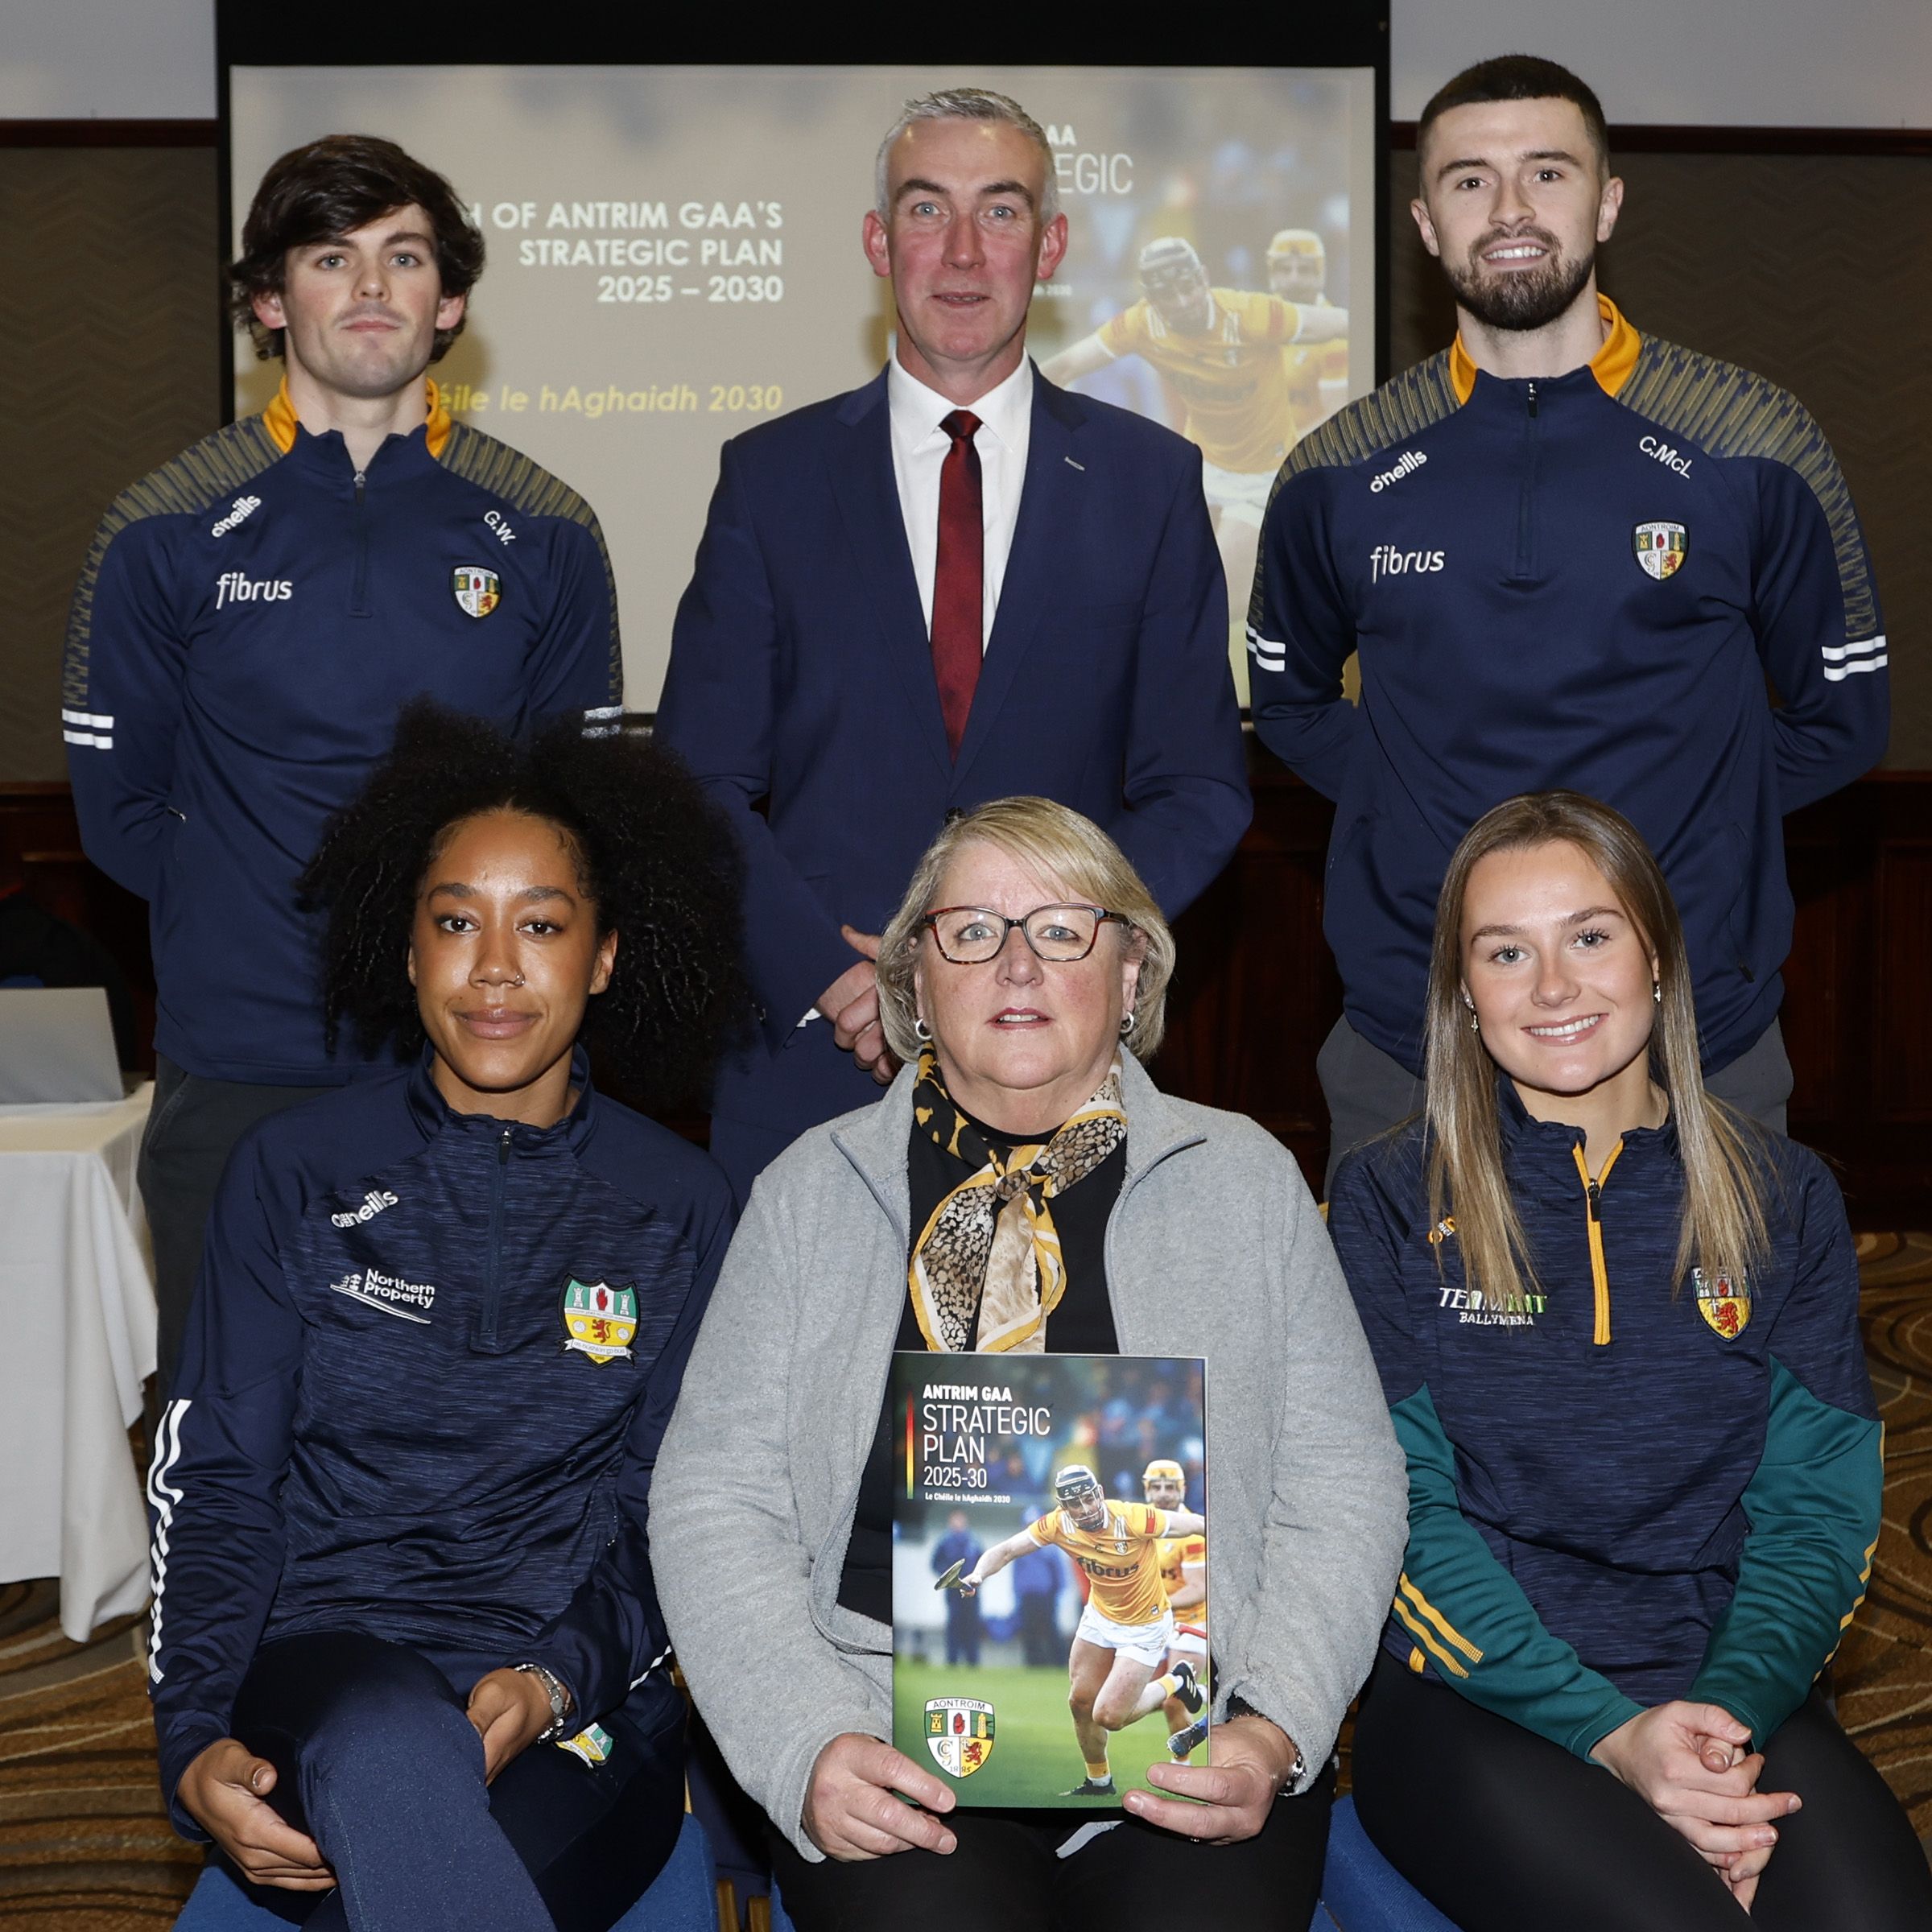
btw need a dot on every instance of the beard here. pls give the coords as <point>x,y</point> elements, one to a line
<point>1520,299</point>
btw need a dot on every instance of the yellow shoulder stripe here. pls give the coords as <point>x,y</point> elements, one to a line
<point>1449,1632</point>
<point>1428,1642</point>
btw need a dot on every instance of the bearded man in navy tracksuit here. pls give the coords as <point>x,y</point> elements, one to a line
<point>253,614</point>
<point>1567,554</point>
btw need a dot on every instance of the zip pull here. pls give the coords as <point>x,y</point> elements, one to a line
<point>503,1149</point>
<point>1532,410</point>
<point>1596,1198</point>
<point>362,476</point>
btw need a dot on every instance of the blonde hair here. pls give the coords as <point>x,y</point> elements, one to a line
<point>1059,843</point>
<point>1723,1229</point>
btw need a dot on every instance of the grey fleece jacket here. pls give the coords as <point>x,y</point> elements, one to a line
<point>1214,1249</point>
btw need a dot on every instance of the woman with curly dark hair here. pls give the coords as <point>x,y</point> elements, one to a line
<point>407,1659</point>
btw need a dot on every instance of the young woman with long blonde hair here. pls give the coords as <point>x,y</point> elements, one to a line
<point>1616,1325</point>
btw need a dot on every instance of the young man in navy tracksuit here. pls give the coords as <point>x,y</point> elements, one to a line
<point>1566,554</point>
<point>252,615</point>
<point>405,1647</point>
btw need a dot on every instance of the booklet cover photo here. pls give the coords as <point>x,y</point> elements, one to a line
<point>1049,1573</point>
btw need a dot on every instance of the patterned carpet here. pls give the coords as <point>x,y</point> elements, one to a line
<point>85,1846</point>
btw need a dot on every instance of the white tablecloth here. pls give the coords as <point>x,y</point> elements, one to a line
<point>76,1340</point>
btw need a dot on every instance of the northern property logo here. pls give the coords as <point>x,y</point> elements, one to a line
<point>1661,548</point>
<point>375,1289</point>
<point>1385,560</point>
<point>231,586</point>
<point>372,1204</point>
<point>1723,1300</point>
<point>959,1734</point>
<point>476,591</point>
<point>239,513</point>
<point>599,1320</point>
<point>1405,464</point>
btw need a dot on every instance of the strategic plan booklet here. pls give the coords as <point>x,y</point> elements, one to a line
<point>1050,1537</point>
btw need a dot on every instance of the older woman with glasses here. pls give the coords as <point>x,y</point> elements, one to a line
<point>1024,1186</point>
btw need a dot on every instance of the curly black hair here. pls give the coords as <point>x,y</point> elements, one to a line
<point>656,858</point>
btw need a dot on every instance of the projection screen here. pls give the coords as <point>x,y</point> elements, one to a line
<point>673,256</point>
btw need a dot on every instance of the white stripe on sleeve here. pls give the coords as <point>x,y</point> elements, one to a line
<point>168,1451</point>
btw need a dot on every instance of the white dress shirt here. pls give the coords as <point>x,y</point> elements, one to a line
<point>919,451</point>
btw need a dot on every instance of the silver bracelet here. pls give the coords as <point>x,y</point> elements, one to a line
<point>562,1704</point>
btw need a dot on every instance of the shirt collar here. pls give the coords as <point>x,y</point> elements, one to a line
<point>280,422</point>
<point>1610,364</point>
<point>1003,410</point>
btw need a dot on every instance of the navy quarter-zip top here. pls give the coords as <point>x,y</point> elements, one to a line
<point>1619,1494</point>
<point>430,1360</point>
<point>1583,582</point>
<point>249,621</point>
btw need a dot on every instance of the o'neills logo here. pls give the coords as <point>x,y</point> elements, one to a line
<point>1385,560</point>
<point>372,1204</point>
<point>1406,464</point>
<point>231,586</point>
<point>239,512</point>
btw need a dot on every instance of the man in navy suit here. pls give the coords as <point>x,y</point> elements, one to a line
<point>956,583</point>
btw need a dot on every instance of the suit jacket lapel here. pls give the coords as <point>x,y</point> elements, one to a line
<point>1049,498</point>
<point>868,497</point>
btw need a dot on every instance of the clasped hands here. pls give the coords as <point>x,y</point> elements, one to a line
<point>1692,1763</point>
<point>856,1807</point>
<point>225,1788</point>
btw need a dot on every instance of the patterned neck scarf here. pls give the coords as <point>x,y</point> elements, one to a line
<point>986,1269</point>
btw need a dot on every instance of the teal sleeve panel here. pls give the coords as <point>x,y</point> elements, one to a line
<point>1813,1510</point>
<point>1470,1616</point>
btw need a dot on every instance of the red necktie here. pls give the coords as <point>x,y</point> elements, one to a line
<point>957,578</point>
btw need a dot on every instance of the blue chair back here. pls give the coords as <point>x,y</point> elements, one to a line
<point>1361,1892</point>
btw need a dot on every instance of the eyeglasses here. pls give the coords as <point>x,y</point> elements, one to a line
<point>970,936</point>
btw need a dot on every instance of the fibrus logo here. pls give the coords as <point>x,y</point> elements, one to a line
<point>1410,461</point>
<point>231,586</point>
<point>239,512</point>
<point>1385,560</point>
<point>372,1204</point>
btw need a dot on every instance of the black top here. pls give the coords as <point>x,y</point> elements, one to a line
<point>1082,1324</point>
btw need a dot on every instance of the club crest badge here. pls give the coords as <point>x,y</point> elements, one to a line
<point>959,1734</point>
<point>476,590</point>
<point>592,1746</point>
<point>1661,548</point>
<point>599,1320</point>
<point>1723,1300</point>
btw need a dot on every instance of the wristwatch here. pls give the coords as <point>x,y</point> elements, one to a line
<point>1239,1707</point>
<point>562,1704</point>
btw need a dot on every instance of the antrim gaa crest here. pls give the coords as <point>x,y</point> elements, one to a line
<point>959,1734</point>
<point>600,1320</point>
<point>1661,548</point>
<point>1723,1300</point>
<point>476,591</point>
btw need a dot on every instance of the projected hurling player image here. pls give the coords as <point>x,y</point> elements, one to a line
<point>1221,351</point>
<point>1318,372</point>
<point>1184,1577</point>
<point>1118,1668</point>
